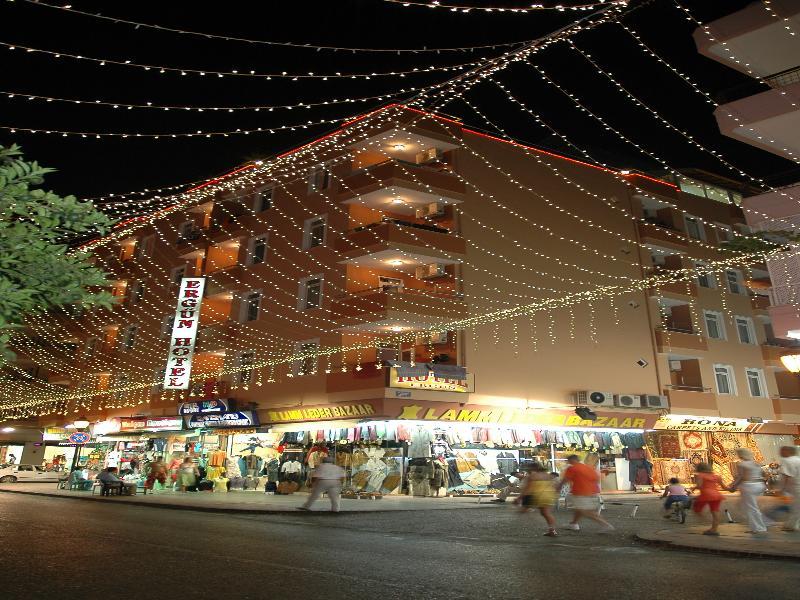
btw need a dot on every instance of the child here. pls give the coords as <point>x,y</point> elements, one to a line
<point>674,492</point>
<point>709,486</point>
<point>539,492</point>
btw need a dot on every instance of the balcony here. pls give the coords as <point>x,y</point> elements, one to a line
<point>662,235</point>
<point>406,175</point>
<point>387,234</point>
<point>683,289</point>
<point>772,351</point>
<point>692,401</point>
<point>397,311</point>
<point>759,303</point>
<point>671,340</point>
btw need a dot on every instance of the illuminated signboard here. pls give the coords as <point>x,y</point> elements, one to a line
<point>686,423</point>
<point>184,333</point>
<point>150,423</point>
<point>203,407</point>
<point>431,382</point>
<point>242,418</point>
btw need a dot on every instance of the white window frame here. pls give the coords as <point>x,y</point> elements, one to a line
<point>302,292</point>
<point>720,227</point>
<point>251,246</point>
<point>720,321</point>
<point>298,367</point>
<point>758,375</point>
<point>259,196</point>
<point>700,230</point>
<point>708,275</point>
<point>731,380</point>
<point>245,305</point>
<point>319,178</point>
<point>183,230</point>
<point>739,281</point>
<point>751,330</point>
<point>126,337</point>
<point>307,230</point>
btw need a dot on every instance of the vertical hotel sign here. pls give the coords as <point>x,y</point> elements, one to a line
<point>184,333</point>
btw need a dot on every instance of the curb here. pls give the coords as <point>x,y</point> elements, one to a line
<point>221,510</point>
<point>669,545</point>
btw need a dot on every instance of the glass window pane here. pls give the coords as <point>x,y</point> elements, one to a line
<point>723,384</point>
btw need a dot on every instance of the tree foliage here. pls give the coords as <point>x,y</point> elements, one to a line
<point>762,242</point>
<point>37,270</point>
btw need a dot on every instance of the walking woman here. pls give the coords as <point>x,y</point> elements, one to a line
<point>709,485</point>
<point>750,483</point>
<point>187,474</point>
<point>540,492</point>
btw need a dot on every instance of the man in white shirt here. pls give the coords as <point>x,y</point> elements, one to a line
<point>328,477</point>
<point>790,469</point>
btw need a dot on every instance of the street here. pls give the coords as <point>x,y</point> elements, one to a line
<point>101,550</point>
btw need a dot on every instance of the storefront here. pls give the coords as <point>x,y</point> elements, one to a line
<point>681,442</point>
<point>426,448</point>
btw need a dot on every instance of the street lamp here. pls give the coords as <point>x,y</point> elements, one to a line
<point>81,423</point>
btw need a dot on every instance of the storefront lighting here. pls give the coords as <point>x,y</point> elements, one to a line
<point>791,362</point>
<point>7,429</point>
<point>395,261</point>
<point>399,147</point>
<point>81,423</point>
<point>397,200</point>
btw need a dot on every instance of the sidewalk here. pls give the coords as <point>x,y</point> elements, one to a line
<point>250,502</point>
<point>733,541</point>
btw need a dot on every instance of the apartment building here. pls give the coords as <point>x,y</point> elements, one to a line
<point>389,260</point>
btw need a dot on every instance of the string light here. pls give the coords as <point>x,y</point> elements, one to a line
<point>229,38</point>
<point>466,8</point>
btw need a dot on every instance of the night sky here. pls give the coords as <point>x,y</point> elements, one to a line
<point>90,167</point>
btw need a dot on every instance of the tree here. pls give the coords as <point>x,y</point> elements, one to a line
<point>38,272</point>
<point>762,242</point>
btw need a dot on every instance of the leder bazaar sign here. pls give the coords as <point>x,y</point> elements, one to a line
<point>390,409</point>
<point>431,382</point>
<point>184,334</point>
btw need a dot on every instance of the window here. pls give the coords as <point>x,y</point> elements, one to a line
<point>263,200</point>
<point>166,325</point>
<point>310,293</point>
<point>145,246</point>
<point>704,277</point>
<point>177,274</point>
<point>744,327</point>
<point>390,284</point>
<point>187,231</point>
<point>314,232</point>
<point>755,383</point>
<point>245,374</point>
<point>129,338</point>
<point>319,179</point>
<point>136,293</point>
<point>715,325</point>
<point>90,349</point>
<point>724,377</point>
<point>251,306</point>
<point>734,279</point>
<point>257,251</point>
<point>308,364</point>
<point>694,228</point>
<point>158,381</point>
<point>724,233</point>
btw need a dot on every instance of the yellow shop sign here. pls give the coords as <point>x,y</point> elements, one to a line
<point>431,382</point>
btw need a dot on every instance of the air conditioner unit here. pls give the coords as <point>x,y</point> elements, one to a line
<point>594,398</point>
<point>432,210</point>
<point>435,338</point>
<point>431,271</point>
<point>655,402</point>
<point>629,401</point>
<point>428,155</point>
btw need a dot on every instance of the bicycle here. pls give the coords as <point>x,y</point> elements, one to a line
<point>679,510</point>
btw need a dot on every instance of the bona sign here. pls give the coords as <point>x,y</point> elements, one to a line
<point>184,333</point>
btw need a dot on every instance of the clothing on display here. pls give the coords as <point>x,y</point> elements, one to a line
<point>421,440</point>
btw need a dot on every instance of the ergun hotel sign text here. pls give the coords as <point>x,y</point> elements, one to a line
<point>184,333</point>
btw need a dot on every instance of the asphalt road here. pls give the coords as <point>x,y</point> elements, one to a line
<point>78,549</point>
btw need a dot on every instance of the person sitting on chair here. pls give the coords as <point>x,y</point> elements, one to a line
<point>109,480</point>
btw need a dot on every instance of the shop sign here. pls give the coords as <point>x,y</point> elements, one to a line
<point>55,434</point>
<point>184,333</point>
<point>106,427</point>
<point>241,418</point>
<point>431,382</point>
<point>79,437</point>
<point>680,423</point>
<point>322,413</point>
<point>150,424</point>
<point>435,411</point>
<point>203,407</point>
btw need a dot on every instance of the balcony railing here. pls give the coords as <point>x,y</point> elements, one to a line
<point>396,231</point>
<point>375,176</point>
<point>784,78</point>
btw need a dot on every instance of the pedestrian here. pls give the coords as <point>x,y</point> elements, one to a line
<point>156,471</point>
<point>750,483</point>
<point>790,470</point>
<point>12,459</point>
<point>328,477</point>
<point>584,493</point>
<point>709,484</point>
<point>187,474</point>
<point>539,492</point>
